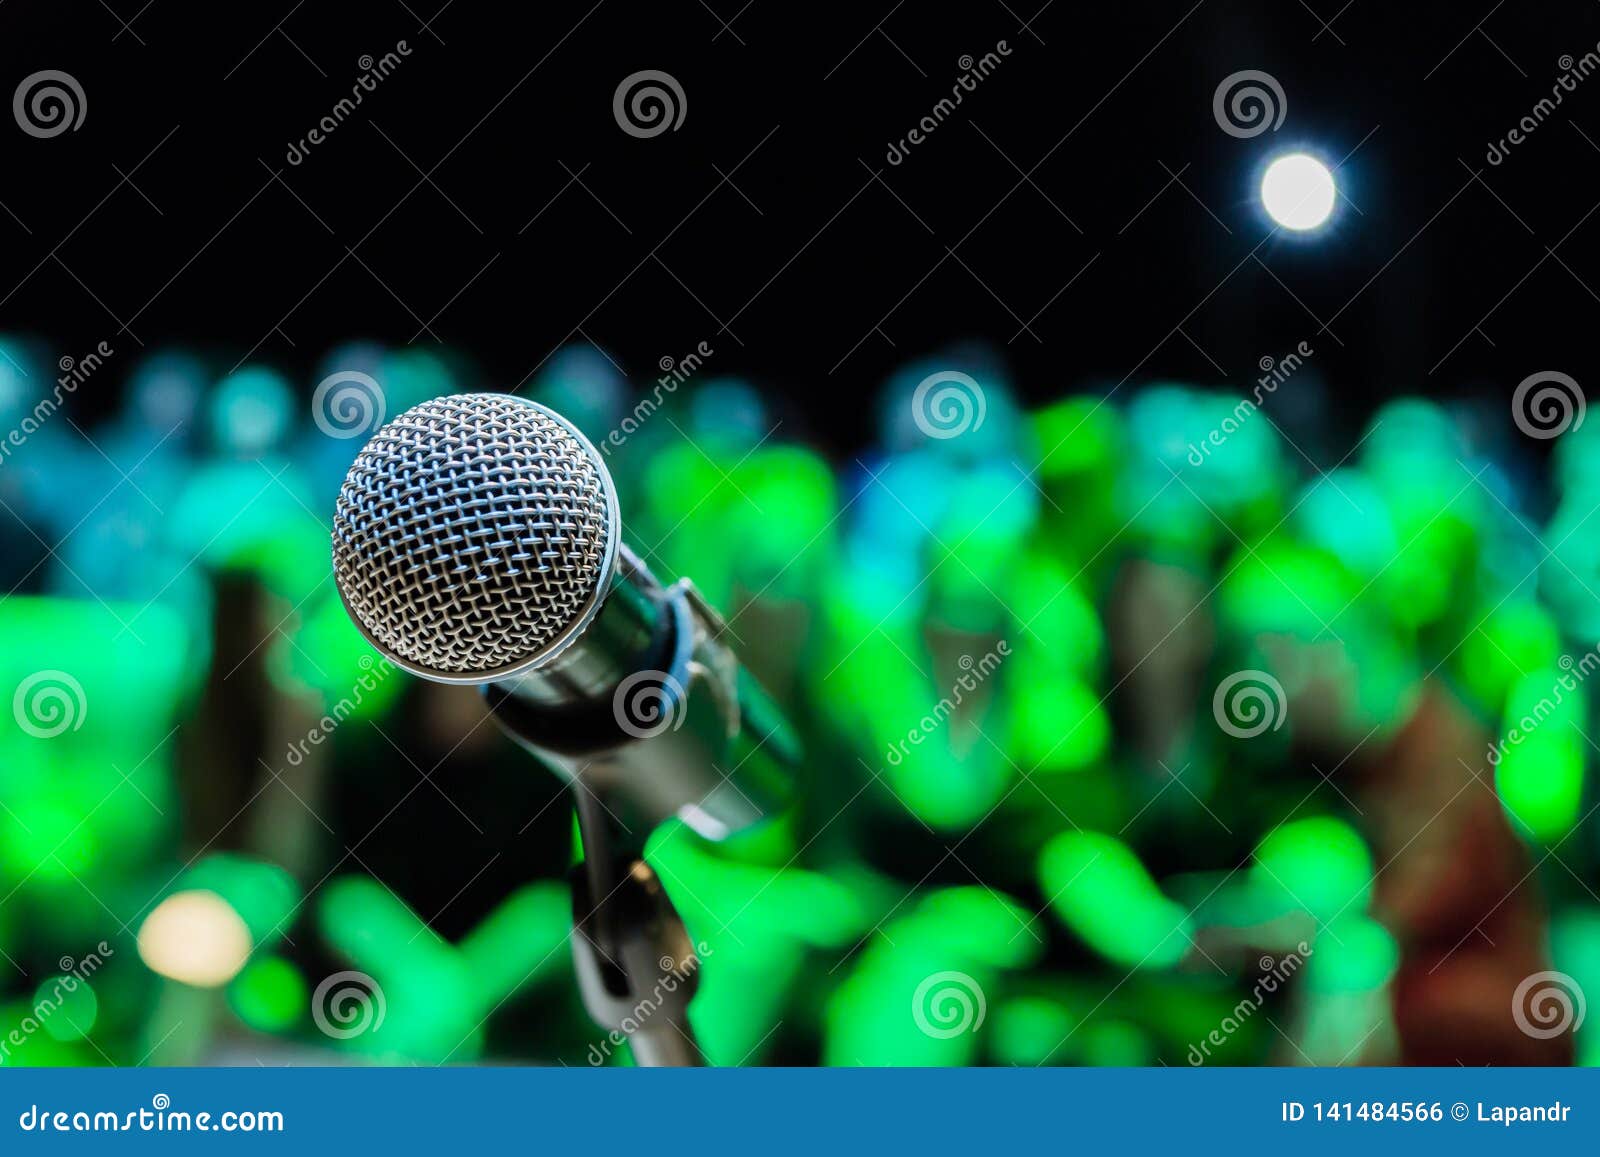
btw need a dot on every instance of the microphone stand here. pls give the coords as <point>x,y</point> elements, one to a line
<point>636,965</point>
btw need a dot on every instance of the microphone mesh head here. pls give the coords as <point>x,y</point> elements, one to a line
<point>474,536</point>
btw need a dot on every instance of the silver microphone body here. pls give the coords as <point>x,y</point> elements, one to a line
<point>476,540</point>
<point>650,704</point>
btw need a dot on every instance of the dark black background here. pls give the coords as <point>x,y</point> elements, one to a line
<point>770,225</point>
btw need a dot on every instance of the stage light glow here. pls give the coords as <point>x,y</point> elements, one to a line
<point>195,938</point>
<point>1297,191</point>
<point>1103,892</point>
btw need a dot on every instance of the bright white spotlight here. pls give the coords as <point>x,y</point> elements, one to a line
<point>1297,192</point>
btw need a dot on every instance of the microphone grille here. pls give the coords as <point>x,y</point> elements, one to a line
<point>474,536</point>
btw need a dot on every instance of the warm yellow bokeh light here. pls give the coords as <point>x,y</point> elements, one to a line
<point>195,938</point>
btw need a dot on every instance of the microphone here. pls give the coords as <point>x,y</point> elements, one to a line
<point>476,539</point>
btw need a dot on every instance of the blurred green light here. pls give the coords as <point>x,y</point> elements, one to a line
<point>1516,636</point>
<point>981,925</point>
<point>1539,772</point>
<point>329,654</point>
<point>263,894</point>
<point>432,1003</point>
<point>1102,892</point>
<point>269,995</point>
<point>66,1006</point>
<point>1353,954</point>
<point>1057,726</point>
<point>1029,1030</point>
<point>1118,1043</point>
<point>520,943</point>
<point>752,899</point>
<point>1077,436</point>
<point>251,411</point>
<point>1284,587</point>
<point>1320,863</point>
